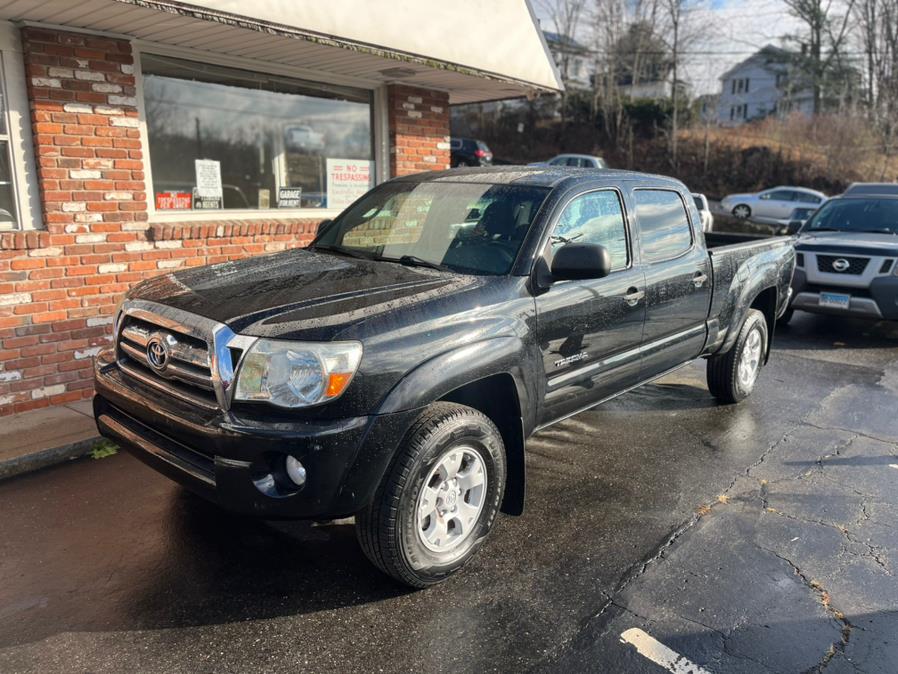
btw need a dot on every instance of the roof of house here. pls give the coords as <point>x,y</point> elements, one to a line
<point>559,41</point>
<point>766,55</point>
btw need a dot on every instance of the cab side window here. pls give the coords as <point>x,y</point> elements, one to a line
<point>664,228</point>
<point>595,217</point>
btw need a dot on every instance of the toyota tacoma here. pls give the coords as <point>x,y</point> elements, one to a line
<point>394,368</point>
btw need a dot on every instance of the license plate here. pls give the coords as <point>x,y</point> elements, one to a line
<point>835,300</point>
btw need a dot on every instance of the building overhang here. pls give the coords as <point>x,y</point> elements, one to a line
<point>473,50</point>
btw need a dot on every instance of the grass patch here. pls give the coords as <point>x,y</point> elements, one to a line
<point>103,449</point>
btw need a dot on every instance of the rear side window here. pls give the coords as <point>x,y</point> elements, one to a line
<point>807,198</point>
<point>594,217</point>
<point>664,228</point>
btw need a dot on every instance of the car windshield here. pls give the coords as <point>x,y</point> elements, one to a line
<point>463,227</point>
<point>856,215</point>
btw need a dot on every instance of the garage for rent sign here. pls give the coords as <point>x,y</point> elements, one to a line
<point>347,180</point>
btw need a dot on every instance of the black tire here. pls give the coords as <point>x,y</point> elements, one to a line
<point>747,211</point>
<point>723,369</point>
<point>786,317</point>
<point>387,529</point>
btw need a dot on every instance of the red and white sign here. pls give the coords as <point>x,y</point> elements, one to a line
<point>169,201</point>
<point>347,180</point>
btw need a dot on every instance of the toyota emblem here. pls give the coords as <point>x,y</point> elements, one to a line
<point>157,353</point>
<point>841,264</point>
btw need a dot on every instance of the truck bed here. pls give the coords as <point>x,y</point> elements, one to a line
<point>744,265</point>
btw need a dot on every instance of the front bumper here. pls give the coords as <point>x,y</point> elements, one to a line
<point>238,462</point>
<point>877,301</point>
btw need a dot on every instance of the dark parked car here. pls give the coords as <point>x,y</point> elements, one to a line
<point>469,152</point>
<point>847,259</point>
<point>394,369</point>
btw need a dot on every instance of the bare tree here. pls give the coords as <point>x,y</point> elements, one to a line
<point>683,30</point>
<point>565,15</point>
<point>823,42</point>
<point>878,27</point>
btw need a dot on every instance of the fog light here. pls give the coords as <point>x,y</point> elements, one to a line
<point>296,471</point>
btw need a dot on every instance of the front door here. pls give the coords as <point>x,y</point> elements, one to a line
<point>590,331</point>
<point>678,281</point>
<point>777,204</point>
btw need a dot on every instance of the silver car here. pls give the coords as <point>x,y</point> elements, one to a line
<point>773,206</point>
<point>575,160</point>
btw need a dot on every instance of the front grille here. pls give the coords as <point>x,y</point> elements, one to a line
<point>886,267</point>
<point>799,259</point>
<point>856,265</point>
<point>186,367</point>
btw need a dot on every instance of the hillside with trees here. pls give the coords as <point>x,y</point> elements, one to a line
<point>845,53</point>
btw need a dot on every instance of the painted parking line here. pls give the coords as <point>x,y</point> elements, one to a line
<point>652,649</point>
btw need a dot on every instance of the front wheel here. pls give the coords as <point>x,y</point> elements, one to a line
<point>732,375</point>
<point>438,502</point>
<point>742,211</point>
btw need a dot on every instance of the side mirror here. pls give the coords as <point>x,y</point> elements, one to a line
<point>793,227</point>
<point>579,261</point>
<point>324,223</point>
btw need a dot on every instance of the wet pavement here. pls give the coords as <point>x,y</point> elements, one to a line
<point>660,528</point>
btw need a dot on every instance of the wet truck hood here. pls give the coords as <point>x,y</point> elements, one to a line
<point>298,294</point>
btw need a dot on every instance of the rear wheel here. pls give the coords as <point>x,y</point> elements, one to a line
<point>439,500</point>
<point>742,211</point>
<point>732,375</point>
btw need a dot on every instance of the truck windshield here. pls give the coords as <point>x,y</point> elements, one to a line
<point>856,215</point>
<point>463,227</point>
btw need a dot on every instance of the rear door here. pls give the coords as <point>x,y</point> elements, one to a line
<point>677,271</point>
<point>589,331</point>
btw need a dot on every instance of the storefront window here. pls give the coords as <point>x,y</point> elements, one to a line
<point>8,217</point>
<point>222,138</point>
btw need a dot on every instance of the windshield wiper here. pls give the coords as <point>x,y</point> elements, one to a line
<point>415,261</point>
<point>339,250</point>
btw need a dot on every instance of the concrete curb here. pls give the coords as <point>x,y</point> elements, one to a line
<point>32,461</point>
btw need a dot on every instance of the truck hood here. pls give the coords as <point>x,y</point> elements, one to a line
<point>298,293</point>
<point>849,242</point>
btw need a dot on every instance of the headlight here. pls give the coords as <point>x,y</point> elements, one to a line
<point>296,374</point>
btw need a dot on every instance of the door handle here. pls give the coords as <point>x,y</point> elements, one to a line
<point>633,296</point>
<point>699,279</point>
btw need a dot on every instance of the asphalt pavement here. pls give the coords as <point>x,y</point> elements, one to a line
<point>662,533</point>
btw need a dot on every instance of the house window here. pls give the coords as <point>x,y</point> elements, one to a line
<point>223,138</point>
<point>18,190</point>
<point>747,80</point>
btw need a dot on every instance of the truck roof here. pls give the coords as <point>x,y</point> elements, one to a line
<point>537,176</point>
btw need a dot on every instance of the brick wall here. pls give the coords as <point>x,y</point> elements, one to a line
<point>419,130</point>
<point>59,286</point>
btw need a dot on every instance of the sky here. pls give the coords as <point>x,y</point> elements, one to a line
<point>736,29</point>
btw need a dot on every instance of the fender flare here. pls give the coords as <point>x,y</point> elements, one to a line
<point>464,366</point>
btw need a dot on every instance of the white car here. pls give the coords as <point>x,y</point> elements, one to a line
<point>773,206</point>
<point>704,211</point>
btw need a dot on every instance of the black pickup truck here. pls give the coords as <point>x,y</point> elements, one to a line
<point>394,368</point>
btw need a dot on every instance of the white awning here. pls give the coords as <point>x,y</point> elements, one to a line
<point>475,50</point>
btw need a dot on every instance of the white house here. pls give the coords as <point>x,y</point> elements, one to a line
<point>575,64</point>
<point>762,85</point>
